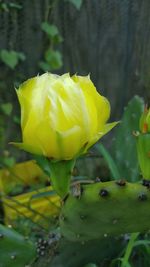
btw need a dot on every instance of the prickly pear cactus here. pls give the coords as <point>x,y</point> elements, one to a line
<point>64,253</point>
<point>124,145</point>
<point>15,251</point>
<point>106,208</point>
<point>143,149</point>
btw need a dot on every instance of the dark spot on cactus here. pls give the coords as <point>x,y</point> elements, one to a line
<point>1,236</point>
<point>103,193</point>
<point>52,235</point>
<point>142,197</point>
<point>146,183</point>
<point>121,182</point>
<point>83,217</point>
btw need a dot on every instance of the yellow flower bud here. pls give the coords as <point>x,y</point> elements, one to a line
<point>61,116</point>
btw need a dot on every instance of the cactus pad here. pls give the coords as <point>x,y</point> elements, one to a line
<point>14,249</point>
<point>106,209</point>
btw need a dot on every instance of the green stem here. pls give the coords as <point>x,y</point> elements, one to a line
<point>129,249</point>
<point>110,161</point>
<point>61,176</point>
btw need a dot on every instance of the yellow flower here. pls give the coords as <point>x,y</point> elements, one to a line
<point>61,116</point>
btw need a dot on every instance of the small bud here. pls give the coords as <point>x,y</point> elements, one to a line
<point>145,121</point>
<point>143,144</point>
<point>143,151</point>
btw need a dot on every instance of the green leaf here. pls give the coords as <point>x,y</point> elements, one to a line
<point>111,163</point>
<point>44,66</point>
<point>16,119</point>
<point>54,59</point>
<point>9,162</point>
<point>11,58</point>
<point>7,108</point>
<point>4,6</point>
<point>129,249</point>
<point>21,56</point>
<point>50,29</point>
<point>43,194</point>
<point>76,3</point>
<point>15,5</point>
<point>57,39</point>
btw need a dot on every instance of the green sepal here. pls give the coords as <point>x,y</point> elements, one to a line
<point>61,175</point>
<point>143,151</point>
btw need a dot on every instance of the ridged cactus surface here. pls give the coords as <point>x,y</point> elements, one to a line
<point>105,208</point>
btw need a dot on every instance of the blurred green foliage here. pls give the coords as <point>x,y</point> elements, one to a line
<point>52,57</point>
<point>11,58</point>
<point>76,3</point>
<point>7,7</point>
